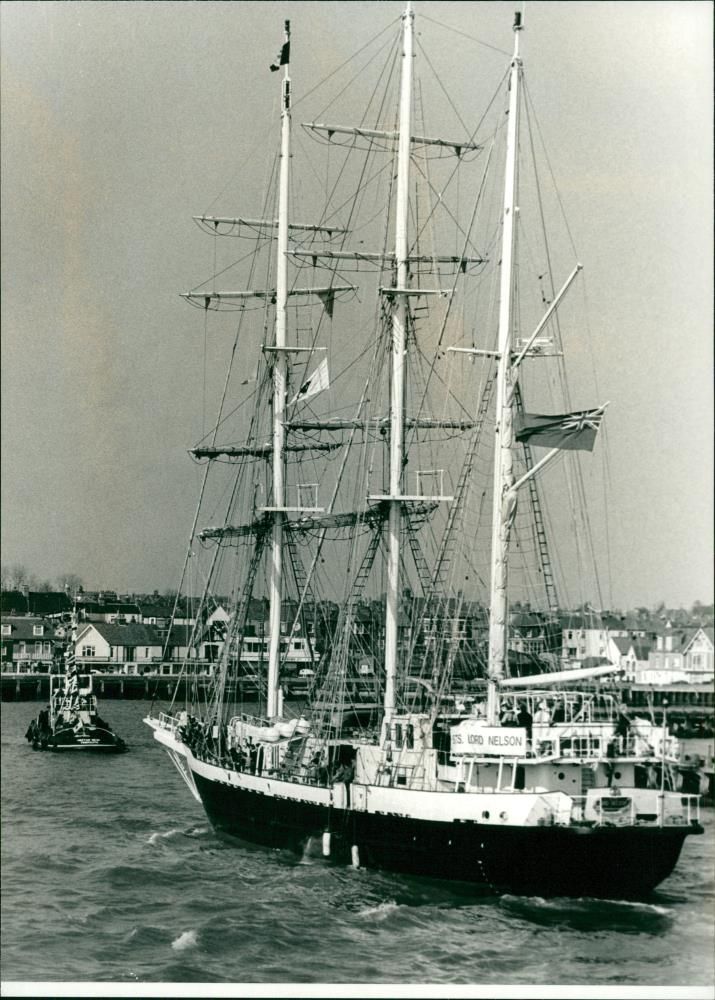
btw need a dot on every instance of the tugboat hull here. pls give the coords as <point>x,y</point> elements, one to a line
<point>89,739</point>
<point>599,861</point>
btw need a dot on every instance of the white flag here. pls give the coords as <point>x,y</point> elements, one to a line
<point>314,384</point>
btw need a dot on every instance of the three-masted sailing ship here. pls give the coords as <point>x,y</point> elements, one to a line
<point>423,747</point>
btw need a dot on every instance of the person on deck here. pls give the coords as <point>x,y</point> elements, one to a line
<point>508,716</point>
<point>525,719</point>
<point>542,721</point>
<point>559,713</point>
<point>623,725</point>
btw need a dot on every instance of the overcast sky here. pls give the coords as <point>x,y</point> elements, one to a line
<point>122,120</point>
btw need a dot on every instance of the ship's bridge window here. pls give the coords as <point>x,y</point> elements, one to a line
<point>38,630</point>
<point>6,629</point>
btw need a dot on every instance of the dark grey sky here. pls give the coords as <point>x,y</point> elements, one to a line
<point>121,120</point>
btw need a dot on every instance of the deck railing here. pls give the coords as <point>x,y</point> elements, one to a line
<point>599,742</point>
<point>691,804</point>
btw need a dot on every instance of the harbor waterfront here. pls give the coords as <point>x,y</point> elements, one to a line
<point>110,874</point>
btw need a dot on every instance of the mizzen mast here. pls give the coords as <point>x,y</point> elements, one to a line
<point>504,502</point>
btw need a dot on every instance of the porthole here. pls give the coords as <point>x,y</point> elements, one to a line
<point>485,814</point>
<point>561,775</point>
<point>616,774</point>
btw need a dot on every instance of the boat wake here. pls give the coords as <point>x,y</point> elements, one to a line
<point>587,913</point>
<point>380,912</point>
<point>198,831</point>
<point>193,834</point>
<point>312,852</point>
<point>188,939</point>
<point>156,836</point>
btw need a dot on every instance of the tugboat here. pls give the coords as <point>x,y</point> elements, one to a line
<point>71,720</point>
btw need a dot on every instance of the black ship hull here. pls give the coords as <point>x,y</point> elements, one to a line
<point>598,861</point>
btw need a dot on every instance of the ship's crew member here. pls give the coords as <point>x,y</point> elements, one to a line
<point>525,719</point>
<point>543,716</point>
<point>610,762</point>
<point>314,767</point>
<point>542,719</point>
<point>345,774</point>
<point>508,716</point>
<point>578,712</point>
<point>623,724</point>
<point>252,755</point>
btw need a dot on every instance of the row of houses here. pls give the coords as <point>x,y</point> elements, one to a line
<point>673,655</point>
<point>114,642</point>
<point>113,634</point>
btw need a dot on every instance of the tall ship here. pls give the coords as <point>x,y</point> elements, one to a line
<point>386,446</point>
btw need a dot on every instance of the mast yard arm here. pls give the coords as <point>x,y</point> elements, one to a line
<point>546,317</point>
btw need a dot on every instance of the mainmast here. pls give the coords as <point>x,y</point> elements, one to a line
<point>504,504</point>
<point>397,394</point>
<point>279,401</point>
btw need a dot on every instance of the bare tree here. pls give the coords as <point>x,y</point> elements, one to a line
<point>17,577</point>
<point>69,582</point>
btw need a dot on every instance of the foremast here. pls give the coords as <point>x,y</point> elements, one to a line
<point>504,492</point>
<point>279,403</point>
<point>397,388</point>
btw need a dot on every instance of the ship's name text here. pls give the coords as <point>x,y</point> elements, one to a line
<point>474,738</point>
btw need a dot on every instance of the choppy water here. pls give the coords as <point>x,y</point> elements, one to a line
<point>111,872</point>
